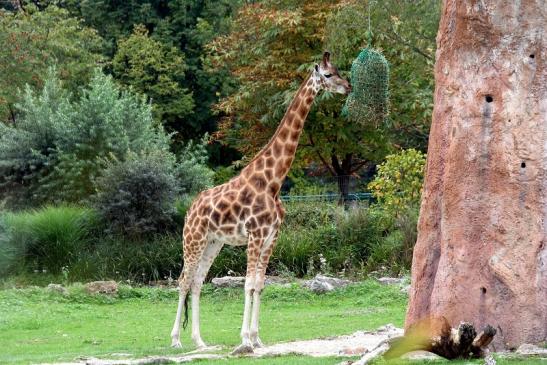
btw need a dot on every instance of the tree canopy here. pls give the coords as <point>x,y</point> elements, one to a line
<point>34,40</point>
<point>271,48</point>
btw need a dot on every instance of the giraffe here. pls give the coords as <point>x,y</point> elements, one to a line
<point>247,211</point>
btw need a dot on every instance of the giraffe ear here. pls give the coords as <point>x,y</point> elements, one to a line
<point>326,58</point>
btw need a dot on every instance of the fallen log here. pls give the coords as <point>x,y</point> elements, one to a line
<point>437,336</point>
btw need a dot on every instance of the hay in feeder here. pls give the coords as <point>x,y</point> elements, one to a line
<point>368,102</point>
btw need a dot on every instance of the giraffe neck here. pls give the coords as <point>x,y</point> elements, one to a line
<point>271,165</point>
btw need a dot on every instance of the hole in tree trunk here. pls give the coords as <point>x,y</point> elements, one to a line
<point>523,165</point>
<point>489,98</point>
<point>483,290</point>
<point>532,55</point>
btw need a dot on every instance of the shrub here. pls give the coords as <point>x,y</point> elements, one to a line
<point>136,196</point>
<point>47,239</point>
<point>309,215</point>
<point>57,148</point>
<point>398,183</point>
<point>393,254</point>
<point>230,261</point>
<point>297,252</point>
<point>193,173</point>
<point>119,258</point>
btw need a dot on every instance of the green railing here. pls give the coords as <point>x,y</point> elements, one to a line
<point>328,197</point>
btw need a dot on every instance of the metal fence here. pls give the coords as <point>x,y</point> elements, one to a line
<point>326,189</point>
<point>356,197</point>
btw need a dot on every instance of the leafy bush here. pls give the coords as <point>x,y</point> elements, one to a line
<point>309,215</point>
<point>118,258</point>
<point>57,148</point>
<point>136,196</point>
<point>394,252</point>
<point>398,183</point>
<point>193,173</point>
<point>47,239</point>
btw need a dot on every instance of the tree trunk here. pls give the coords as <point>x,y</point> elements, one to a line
<point>481,254</point>
<point>343,172</point>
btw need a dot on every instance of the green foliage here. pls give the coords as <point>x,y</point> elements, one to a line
<point>187,25</point>
<point>156,70</point>
<point>269,72</point>
<point>58,147</point>
<point>193,174</point>
<point>135,197</point>
<point>32,41</point>
<point>394,252</point>
<point>224,174</point>
<point>138,260</point>
<point>398,183</point>
<point>404,31</point>
<point>368,101</point>
<point>48,239</point>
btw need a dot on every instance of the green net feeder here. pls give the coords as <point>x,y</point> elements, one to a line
<point>368,102</point>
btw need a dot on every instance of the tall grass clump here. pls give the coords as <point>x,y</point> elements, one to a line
<point>117,258</point>
<point>47,239</point>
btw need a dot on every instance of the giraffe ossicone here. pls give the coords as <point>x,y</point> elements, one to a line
<point>247,211</point>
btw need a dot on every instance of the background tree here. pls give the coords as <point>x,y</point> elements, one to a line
<point>156,70</point>
<point>268,72</point>
<point>404,31</point>
<point>187,25</point>
<point>32,41</point>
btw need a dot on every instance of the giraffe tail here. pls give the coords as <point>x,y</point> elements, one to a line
<point>185,322</point>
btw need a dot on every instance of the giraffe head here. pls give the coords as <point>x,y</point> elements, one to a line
<point>327,77</point>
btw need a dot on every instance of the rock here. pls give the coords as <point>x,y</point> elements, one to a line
<point>481,252</point>
<point>58,288</point>
<point>389,329</point>
<point>102,287</point>
<point>239,281</point>
<point>323,284</point>
<point>229,282</point>
<point>527,349</point>
<point>421,355</point>
<point>390,281</point>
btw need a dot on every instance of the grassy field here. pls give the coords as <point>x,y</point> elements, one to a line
<point>40,326</point>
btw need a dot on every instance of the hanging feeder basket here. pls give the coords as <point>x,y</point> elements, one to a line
<point>368,103</point>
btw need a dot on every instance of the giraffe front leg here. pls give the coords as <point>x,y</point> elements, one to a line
<point>252,258</point>
<point>259,285</point>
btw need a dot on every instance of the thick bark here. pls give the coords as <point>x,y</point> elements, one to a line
<point>481,254</point>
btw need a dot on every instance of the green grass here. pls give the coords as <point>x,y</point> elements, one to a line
<point>37,326</point>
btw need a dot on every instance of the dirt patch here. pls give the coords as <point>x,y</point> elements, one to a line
<point>355,344</point>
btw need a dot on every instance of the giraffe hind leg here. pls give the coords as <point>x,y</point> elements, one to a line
<point>193,249</point>
<point>207,258</point>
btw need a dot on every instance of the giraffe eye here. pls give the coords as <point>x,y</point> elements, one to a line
<point>328,75</point>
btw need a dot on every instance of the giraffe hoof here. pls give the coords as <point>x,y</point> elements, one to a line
<point>176,344</point>
<point>242,350</point>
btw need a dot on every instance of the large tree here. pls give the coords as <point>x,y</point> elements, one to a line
<point>185,24</point>
<point>481,253</point>
<point>157,71</point>
<point>271,48</point>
